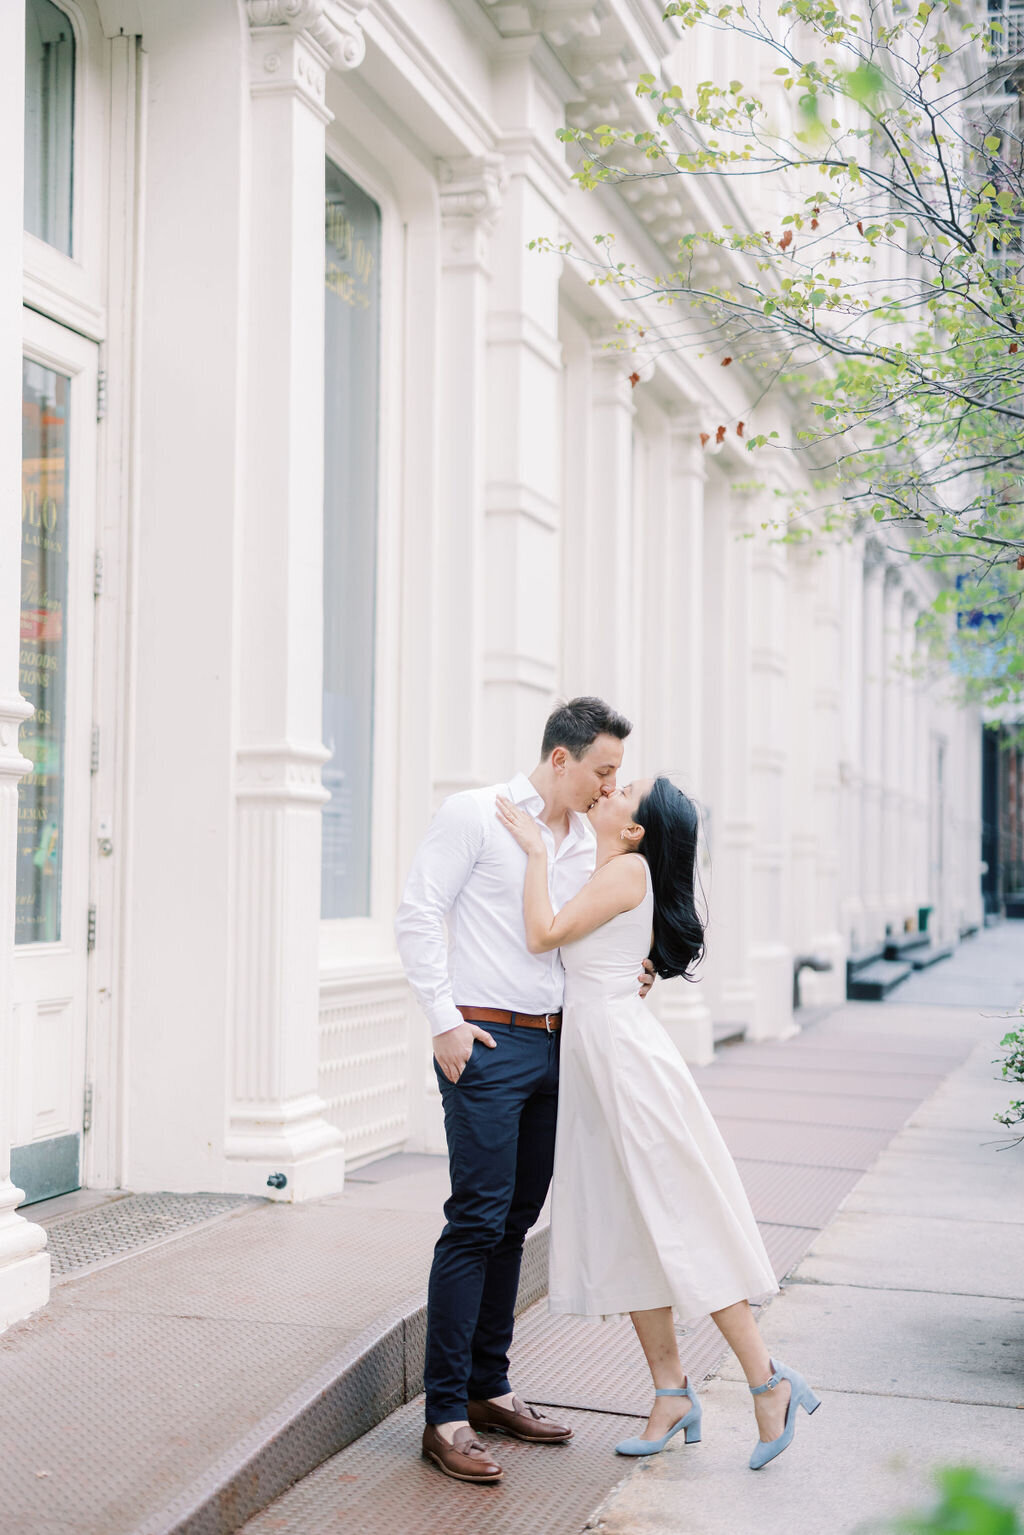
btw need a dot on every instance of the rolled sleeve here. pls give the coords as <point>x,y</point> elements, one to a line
<point>442,865</point>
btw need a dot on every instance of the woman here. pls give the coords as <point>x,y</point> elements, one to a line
<point>648,1211</point>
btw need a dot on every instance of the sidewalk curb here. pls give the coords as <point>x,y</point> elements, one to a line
<point>375,1374</point>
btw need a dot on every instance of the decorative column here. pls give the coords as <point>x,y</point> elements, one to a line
<point>871,802</point>
<point>524,480</point>
<point>827,939</point>
<point>276,1129</point>
<point>921,772</point>
<point>679,539</point>
<point>851,921</point>
<point>892,743</point>
<point>733,829</point>
<point>771,959</point>
<point>909,900</point>
<point>608,551</point>
<point>470,191</point>
<point>24,1263</point>
<point>803,726</point>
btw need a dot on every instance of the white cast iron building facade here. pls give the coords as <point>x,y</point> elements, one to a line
<point>298,558</point>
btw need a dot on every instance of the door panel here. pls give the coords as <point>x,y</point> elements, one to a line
<point>51,929</point>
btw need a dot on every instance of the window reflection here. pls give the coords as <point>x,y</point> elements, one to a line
<point>43,655</point>
<point>352,276</point>
<point>49,123</point>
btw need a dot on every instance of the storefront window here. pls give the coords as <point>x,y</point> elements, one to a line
<point>352,367</point>
<point>49,123</point>
<point>44,586</point>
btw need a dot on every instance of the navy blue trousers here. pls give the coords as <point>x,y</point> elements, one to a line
<point>500,1122</point>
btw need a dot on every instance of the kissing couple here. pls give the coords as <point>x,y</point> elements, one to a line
<point>535,917</point>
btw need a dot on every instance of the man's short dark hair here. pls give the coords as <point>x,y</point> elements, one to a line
<point>577,725</point>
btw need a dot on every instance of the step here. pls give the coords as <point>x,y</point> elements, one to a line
<point>898,944</point>
<point>859,959</point>
<point>922,958</point>
<point>872,983</point>
<point>729,1033</point>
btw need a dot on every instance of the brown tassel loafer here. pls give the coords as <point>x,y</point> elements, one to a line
<point>466,1459</point>
<point>520,1420</point>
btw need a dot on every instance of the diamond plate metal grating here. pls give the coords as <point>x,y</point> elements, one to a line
<point>383,1483</point>
<point>799,1056</point>
<point>796,1196</point>
<point>786,1246</point>
<point>803,1145</point>
<point>808,1109</point>
<point>94,1237</point>
<point>839,1081</point>
<point>570,1362</point>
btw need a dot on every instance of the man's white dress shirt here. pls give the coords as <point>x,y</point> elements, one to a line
<point>470,870</point>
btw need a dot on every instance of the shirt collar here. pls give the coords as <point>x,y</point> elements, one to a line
<point>522,792</point>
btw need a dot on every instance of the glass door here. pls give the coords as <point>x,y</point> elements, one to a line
<point>53,917</point>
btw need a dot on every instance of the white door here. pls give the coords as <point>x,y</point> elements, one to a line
<point>52,929</point>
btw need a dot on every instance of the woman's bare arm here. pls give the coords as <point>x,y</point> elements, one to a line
<point>616,887</point>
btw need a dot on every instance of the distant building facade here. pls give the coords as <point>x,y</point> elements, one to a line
<point>329,487</point>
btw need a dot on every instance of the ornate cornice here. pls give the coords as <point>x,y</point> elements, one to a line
<point>331,24</point>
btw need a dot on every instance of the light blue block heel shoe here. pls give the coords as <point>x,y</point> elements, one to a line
<point>801,1395</point>
<point>690,1426</point>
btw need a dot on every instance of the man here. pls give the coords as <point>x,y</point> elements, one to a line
<point>499,1083</point>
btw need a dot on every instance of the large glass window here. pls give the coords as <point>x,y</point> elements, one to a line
<point>44,588</point>
<point>49,123</point>
<point>352,368</point>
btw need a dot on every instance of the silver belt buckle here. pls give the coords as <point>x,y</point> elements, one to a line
<point>547,1023</point>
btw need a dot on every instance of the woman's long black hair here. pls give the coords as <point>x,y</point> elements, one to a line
<point>670,822</point>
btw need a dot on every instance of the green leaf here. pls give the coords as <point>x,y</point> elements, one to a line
<point>992,143</point>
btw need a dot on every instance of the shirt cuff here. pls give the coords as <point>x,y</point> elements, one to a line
<point>445,1018</point>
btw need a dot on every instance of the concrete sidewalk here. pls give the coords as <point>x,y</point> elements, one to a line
<point>907,1315</point>
<point>179,1390</point>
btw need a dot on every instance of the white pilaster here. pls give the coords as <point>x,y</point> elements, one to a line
<point>608,552</point>
<point>871,800</point>
<point>470,201</point>
<point>909,899</point>
<point>771,959</point>
<point>275,1116</point>
<point>827,941</point>
<point>851,764</point>
<point>24,1263</point>
<point>523,490</point>
<point>732,827</point>
<point>892,742</point>
<point>803,839</point>
<point>676,581</point>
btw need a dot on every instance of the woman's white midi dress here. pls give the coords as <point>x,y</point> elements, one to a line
<point>647,1206</point>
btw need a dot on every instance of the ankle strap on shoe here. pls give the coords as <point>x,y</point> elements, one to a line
<point>673,1391</point>
<point>775,1380</point>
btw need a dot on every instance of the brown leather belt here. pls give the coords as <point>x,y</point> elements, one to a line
<point>550,1021</point>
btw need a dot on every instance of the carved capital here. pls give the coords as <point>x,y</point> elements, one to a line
<point>472,188</point>
<point>331,24</point>
<point>470,193</point>
<point>283,772</point>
